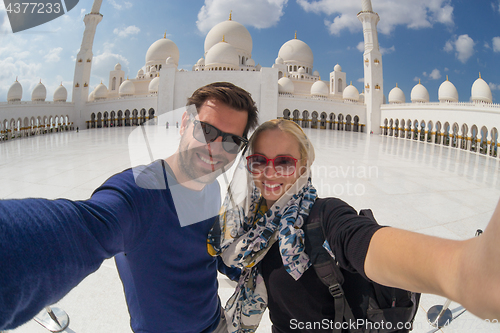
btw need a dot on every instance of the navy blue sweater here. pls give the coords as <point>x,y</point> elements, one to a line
<point>48,246</point>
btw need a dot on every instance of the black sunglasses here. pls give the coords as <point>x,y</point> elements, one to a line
<point>206,133</point>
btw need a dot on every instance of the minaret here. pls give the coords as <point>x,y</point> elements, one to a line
<point>372,60</point>
<point>84,58</point>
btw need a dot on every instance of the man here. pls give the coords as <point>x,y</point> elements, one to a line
<point>48,246</point>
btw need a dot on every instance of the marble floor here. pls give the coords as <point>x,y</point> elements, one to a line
<point>432,189</point>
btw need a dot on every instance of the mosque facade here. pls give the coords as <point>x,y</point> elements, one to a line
<point>290,88</point>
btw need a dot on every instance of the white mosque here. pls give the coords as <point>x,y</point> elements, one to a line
<point>290,88</point>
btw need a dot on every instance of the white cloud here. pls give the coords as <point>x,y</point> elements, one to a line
<point>494,86</point>
<point>416,79</point>
<point>117,6</point>
<point>361,79</point>
<point>361,47</point>
<point>463,46</point>
<point>496,44</point>
<point>384,50</point>
<point>435,74</point>
<point>53,55</point>
<point>448,47</point>
<point>4,21</point>
<point>258,13</point>
<point>128,31</point>
<point>410,13</point>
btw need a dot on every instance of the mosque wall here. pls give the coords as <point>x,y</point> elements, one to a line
<point>462,113</point>
<point>34,109</point>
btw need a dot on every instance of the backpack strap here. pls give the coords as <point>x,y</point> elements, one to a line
<point>325,266</point>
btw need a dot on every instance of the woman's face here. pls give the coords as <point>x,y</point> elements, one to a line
<point>271,144</point>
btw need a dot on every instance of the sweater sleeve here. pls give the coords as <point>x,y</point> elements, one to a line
<point>48,246</point>
<point>348,234</point>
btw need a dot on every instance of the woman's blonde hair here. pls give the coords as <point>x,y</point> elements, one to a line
<point>306,149</point>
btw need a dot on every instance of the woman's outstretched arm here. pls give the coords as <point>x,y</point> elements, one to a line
<point>467,272</point>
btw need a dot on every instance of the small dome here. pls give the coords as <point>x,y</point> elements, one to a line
<point>351,93</point>
<point>91,96</point>
<point>15,93</point>
<point>397,95</point>
<point>140,72</point>
<point>101,92</point>
<point>481,91</point>
<point>302,70</point>
<point>222,54</point>
<point>39,93</point>
<point>153,85</point>
<point>250,62</point>
<point>319,88</point>
<point>447,92</point>
<point>234,33</point>
<point>419,94</point>
<point>337,68</point>
<point>296,51</point>
<point>279,61</point>
<point>201,62</point>
<point>160,50</point>
<point>118,67</point>
<point>127,88</point>
<point>60,94</point>
<point>316,73</point>
<point>285,86</point>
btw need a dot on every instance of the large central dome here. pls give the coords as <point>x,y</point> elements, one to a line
<point>233,33</point>
<point>296,51</point>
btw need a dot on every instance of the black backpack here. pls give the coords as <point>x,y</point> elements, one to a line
<point>361,306</point>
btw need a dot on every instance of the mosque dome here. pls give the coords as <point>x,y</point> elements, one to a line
<point>160,50</point>
<point>170,61</point>
<point>447,92</point>
<point>285,86</point>
<point>127,88</point>
<point>60,94</point>
<point>222,54</point>
<point>153,85</point>
<point>302,70</point>
<point>201,62</point>
<point>481,91</point>
<point>351,93</point>
<point>118,67</point>
<point>396,95</point>
<point>279,61</point>
<point>39,93</point>
<point>297,51</point>
<point>250,62</point>
<point>15,93</point>
<point>419,94</point>
<point>319,88</point>
<point>234,33</point>
<point>101,92</point>
<point>91,96</point>
<point>316,73</point>
<point>140,72</point>
<point>337,68</point>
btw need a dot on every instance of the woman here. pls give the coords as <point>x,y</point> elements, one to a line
<point>262,233</point>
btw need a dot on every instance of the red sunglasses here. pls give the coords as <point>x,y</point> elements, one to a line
<point>283,165</point>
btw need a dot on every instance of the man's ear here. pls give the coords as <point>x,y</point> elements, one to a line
<point>184,122</point>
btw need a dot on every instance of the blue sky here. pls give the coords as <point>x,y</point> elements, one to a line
<point>424,39</point>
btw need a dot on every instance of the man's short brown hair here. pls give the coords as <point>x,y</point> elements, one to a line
<point>231,95</point>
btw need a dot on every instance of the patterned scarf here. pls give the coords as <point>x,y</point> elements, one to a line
<point>242,236</point>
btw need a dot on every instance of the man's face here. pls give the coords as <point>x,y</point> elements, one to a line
<point>203,162</point>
